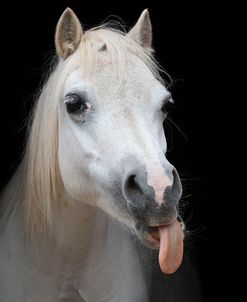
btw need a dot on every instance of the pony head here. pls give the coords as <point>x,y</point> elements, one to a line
<point>104,106</point>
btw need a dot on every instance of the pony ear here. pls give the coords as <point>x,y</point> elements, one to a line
<point>68,34</point>
<point>142,31</point>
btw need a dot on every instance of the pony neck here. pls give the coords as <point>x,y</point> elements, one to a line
<point>74,222</point>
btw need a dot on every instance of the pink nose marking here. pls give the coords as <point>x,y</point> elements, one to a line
<point>159,181</point>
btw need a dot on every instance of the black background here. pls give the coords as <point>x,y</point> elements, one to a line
<point>191,42</point>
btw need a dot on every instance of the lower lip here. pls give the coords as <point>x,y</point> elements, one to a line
<point>153,237</point>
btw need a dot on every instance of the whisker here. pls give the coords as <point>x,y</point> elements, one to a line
<point>177,127</point>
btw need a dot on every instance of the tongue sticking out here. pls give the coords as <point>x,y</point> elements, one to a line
<point>171,247</point>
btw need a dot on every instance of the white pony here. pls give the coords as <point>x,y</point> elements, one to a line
<point>94,188</point>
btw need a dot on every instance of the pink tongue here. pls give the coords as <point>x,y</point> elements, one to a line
<point>171,247</point>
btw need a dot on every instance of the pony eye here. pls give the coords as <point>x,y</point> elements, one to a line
<point>167,106</point>
<point>75,104</point>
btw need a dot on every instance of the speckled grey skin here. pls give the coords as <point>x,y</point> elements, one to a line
<point>142,202</point>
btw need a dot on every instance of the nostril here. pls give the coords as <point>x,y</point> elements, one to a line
<point>131,183</point>
<point>176,190</point>
<point>175,177</point>
<point>133,190</point>
<point>131,186</point>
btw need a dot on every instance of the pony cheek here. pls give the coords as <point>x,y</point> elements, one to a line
<point>76,191</point>
<point>74,180</point>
